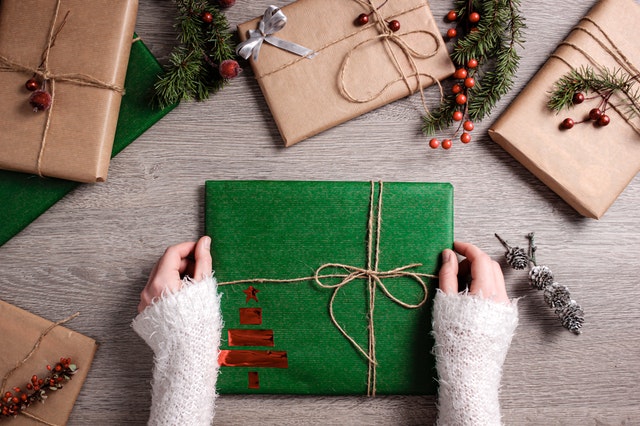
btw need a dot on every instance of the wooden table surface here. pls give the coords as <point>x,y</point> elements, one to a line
<point>93,250</point>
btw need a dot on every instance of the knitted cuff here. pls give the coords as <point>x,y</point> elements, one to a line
<point>472,337</point>
<point>183,329</point>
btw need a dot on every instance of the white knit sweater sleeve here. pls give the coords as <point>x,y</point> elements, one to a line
<point>183,329</point>
<point>472,337</point>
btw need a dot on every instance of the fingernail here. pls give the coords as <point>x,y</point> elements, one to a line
<point>446,255</point>
<point>207,242</point>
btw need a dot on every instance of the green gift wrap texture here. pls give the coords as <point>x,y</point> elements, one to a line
<point>25,197</point>
<point>299,336</point>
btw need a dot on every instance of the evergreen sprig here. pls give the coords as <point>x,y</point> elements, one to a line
<point>192,72</point>
<point>604,82</point>
<point>493,44</point>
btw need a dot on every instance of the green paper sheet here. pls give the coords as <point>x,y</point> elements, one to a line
<point>287,229</point>
<point>25,197</point>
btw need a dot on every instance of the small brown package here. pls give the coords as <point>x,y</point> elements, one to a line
<point>588,166</point>
<point>93,44</point>
<point>20,332</point>
<point>356,68</point>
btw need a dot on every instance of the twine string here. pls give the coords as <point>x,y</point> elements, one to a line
<point>42,71</point>
<point>375,280</point>
<point>613,51</point>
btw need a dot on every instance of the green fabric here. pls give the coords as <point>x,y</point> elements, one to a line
<point>284,230</point>
<point>25,197</point>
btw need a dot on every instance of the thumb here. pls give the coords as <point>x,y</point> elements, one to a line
<point>203,259</point>
<point>449,272</point>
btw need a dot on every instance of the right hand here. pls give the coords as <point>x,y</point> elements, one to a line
<point>487,280</point>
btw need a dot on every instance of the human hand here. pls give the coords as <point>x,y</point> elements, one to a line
<point>188,258</point>
<point>486,275</point>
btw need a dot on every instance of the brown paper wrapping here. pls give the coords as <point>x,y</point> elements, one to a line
<point>587,166</point>
<point>304,94</point>
<point>96,41</point>
<point>20,330</point>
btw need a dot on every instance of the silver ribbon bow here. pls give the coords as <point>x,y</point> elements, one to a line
<point>272,22</point>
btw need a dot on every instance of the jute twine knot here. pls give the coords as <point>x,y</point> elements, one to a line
<point>389,37</point>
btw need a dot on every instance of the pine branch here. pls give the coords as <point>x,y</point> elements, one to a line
<point>493,44</point>
<point>441,117</point>
<point>193,70</point>
<point>605,82</point>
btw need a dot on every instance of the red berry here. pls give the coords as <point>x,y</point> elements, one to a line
<point>472,63</point>
<point>394,25</point>
<point>207,17</point>
<point>567,123</point>
<point>15,399</point>
<point>452,15</point>
<point>461,99</point>
<point>226,3</point>
<point>465,138</point>
<point>578,98</point>
<point>469,82</point>
<point>229,69</point>
<point>34,379</point>
<point>8,395</point>
<point>468,126</point>
<point>362,19</point>
<point>446,143</point>
<point>460,73</point>
<point>603,120</point>
<point>32,85</point>
<point>40,100</point>
<point>456,88</point>
<point>594,114</point>
<point>457,115</point>
<point>434,143</point>
<point>474,17</point>
<point>452,32</point>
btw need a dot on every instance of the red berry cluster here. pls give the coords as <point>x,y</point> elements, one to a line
<point>363,19</point>
<point>12,403</point>
<point>40,99</point>
<point>596,115</point>
<point>464,81</point>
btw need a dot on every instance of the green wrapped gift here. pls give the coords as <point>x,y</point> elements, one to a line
<point>25,197</point>
<point>327,286</point>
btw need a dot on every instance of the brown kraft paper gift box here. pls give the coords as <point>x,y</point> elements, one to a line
<point>356,68</point>
<point>588,166</point>
<point>94,41</point>
<point>20,331</point>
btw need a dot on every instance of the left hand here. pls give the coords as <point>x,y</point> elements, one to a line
<point>188,258</point>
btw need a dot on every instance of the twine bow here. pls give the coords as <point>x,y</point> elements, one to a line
<point>389,37</point>
<point>374,279</point>
<point>272,21</point>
